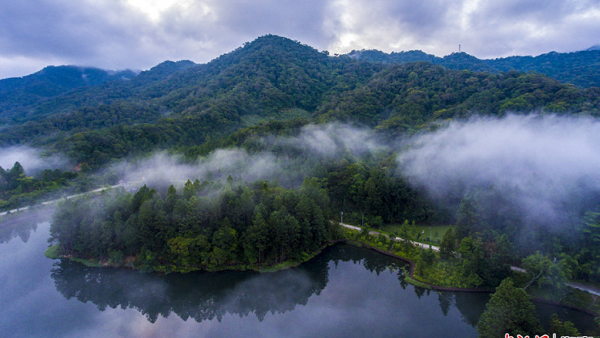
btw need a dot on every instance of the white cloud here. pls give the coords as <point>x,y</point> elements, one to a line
<point>539,162</point>
<point>117,34</point>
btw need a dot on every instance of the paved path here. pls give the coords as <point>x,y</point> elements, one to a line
<point>68,197</point>
<point>592,290</point>
<point>375,233</point>
<point>582,287</point>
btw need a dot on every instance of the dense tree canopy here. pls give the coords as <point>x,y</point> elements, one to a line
<point>206,226</point>
<point>509,311</point>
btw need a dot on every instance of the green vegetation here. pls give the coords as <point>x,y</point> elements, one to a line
<point>18,190</point>
<point>471,266</point>
<point>258,98</point>
<point>181,106</point>
<point>510,310</point>
<point>417,283</point>
<point>578,68</point>
<point>208,226</point>
<point>423,232</point>
<point>52,252</point>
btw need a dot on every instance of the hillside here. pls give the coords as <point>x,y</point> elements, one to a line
<point>318,136</point>
<point>18,95</point>
<point>181,105</point>
<point>578,68</point>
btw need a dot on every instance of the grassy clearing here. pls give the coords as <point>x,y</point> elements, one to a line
<point>415,282</point>
<point>52,252</point>
<point>435,231</point>
<point>87,262</point>
<point>290,264</point>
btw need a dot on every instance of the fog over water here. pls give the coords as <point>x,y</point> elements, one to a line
<point>542,162</point>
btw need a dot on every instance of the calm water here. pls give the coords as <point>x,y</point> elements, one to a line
<point>344,292</point>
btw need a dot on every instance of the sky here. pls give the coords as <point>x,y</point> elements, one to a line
<point>138,34</point>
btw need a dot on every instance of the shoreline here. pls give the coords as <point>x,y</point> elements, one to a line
<point>409,278</point>
<point>51,253</point>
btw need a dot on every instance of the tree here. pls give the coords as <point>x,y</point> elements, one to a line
<point>467,218</point>
<point>561,328</point>
<point>509,311</point>
<point>447,245</point>
<point>542,269</point>
<point>591,229</point>
<point>407,233</point>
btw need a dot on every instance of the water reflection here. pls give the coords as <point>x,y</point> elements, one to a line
<point>22,224</point>
<point>201,296</point>
<point>344,292</point>
<point>206,296</point>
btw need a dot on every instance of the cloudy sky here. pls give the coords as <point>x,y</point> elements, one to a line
<point>138,34</point>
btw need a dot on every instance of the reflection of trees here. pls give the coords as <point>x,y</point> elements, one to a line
<point>200,296</point>
<point>205,296</point>
<point>20,225</point>
<point>13,230</point>
<point>471,305</point>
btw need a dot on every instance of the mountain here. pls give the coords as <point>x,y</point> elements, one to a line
<point>182,105</point>
<point>52,80</point>
<point>17,95</point>
<point>580,68</point>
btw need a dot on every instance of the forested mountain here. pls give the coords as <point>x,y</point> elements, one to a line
<point>19,95</point>
<point>281,105</point>
<point>177,105</point>
<point>578,68</point>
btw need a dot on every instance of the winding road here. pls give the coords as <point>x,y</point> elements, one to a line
<point>68,197</point>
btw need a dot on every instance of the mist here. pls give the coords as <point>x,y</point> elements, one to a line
<point>288,162</point>
<point>32,160</point>
<point>542,164</point>
<point>162,168</point>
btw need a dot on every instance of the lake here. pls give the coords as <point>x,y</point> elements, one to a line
<point>344,292</point>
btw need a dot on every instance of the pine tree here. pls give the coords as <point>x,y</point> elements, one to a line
<point>509,311</point>
<point>448,244</point>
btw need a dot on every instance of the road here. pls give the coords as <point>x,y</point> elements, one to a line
<point>375,233</point>
<point>68,197</point>
<point>582,287</point>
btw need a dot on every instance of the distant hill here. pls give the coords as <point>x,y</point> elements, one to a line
<point>182,105</point>
<point>581,69</point>
<point>62,89</point>
<point>16,94</point>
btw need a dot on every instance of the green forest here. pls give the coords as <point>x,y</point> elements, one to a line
<point>206,226</point>
<point>262,100</point>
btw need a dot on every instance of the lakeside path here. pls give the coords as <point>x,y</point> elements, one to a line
<point>574,285</point>
<point>57,200</point>
<point>376,233</point>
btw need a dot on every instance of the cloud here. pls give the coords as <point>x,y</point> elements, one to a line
<point>31,159</point>
<point>163,168</point>
<point>331,139</point>
<point>117,34</point>
<point>290,165</point>
<point>540,163</point>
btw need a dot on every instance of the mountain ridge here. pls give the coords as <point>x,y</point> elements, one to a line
<point>578,68</point>
<point>184,105</point>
